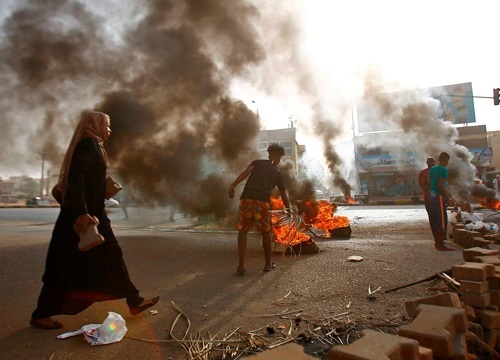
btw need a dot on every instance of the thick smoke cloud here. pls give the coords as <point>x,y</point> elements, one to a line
<point>165,86</point>
<point>165,80</point>
<point>418,116</point>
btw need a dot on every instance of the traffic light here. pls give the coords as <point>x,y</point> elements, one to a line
<point>496,96</point>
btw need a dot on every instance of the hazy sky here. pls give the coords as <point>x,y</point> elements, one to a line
<point>341,46</point>
<point>410,44</point>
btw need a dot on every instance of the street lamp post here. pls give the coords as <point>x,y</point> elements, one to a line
<point>257,108</point>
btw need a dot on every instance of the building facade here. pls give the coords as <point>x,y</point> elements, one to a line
<point>386,175</point>
<point>284,137</point>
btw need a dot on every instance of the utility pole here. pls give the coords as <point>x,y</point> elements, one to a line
<point>42,154</point>
<point>257,107</point>
<point>47,183</point>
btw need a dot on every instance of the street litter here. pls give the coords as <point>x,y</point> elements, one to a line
<point>370,292</point>
<point>112,330</point>
<point>482,226</point>
<point>355,258</point>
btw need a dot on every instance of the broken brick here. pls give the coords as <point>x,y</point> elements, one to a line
<point>375,345</point>
<point>448,299</point>
<point>495,297</point>
<point>285,352</point>
<point>473,271</point>
<point>474,287</point>
<point>488,318</point>
<point>470,254</point>
<point>488,259</point>
<point>494,282</point>
<point>441,329</point>
<point>477,301</point>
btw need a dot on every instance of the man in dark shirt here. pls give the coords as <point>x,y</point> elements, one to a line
<point>255,202</point>
<point>438,199</point>
<point>423,181</point>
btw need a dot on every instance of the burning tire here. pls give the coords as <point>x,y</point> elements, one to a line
<point>341,233</point>
<point>304,248</point>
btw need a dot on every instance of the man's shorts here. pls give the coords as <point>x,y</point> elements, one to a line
<point>254,212</point>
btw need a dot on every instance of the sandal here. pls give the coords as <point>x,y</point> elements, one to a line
<point>273,266</point>
<point>240,271</point>
<point>45,324</point>
<point>146,304</point>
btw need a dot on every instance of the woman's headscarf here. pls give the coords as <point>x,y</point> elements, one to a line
<point>93,124</point>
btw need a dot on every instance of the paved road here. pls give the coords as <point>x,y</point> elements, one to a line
<point>193,264</point>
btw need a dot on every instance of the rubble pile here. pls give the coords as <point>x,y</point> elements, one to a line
<point>455,325</point>
<point>460,324</point>
<point>469,231</point>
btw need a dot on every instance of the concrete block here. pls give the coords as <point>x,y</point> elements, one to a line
<point>375,345</point>
<point>459,236</point>
<point>425,353</point>
<point>495,297</point>
<point>488,318</point>
<point>494,282</point>
<point>492,307</point>
<point>480,242</point>
<point>441,329</point>
<point>488,259</point>
<point>469,254</point>
<point>472,271</point>
<point>477,301</point>
<point>470,311</point>
<point>492,237</point>
<point>448,299</point>
<point>284,352</point>
<point>472,234</point>
<point>474,287</point>
<point>491,337</point>
<point>476,329</point>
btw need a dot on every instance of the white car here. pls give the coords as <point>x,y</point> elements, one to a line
<point>111,203</point>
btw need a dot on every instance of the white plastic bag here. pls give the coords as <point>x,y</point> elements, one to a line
<point>492,227</point>
<point>474,226</point>
<point>471,217</point>
<point>112,330</point>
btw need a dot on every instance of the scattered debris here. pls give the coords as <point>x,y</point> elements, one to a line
<point>370,293</point>
<point>112,330</point>
<point>428,278</point>
<point>355,258</point>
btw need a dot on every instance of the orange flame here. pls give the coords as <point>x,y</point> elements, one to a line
<point>488,203</point>
<point>289,235</point>
<point>319,214</point>
<point>285,234</point>
<point>315,213</point>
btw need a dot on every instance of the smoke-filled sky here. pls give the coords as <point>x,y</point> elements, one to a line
<point>189,83</point>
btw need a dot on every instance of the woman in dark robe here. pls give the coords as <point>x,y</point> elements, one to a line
<point>74,279</point>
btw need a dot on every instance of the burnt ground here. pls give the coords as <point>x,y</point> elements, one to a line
<point>317,300</point>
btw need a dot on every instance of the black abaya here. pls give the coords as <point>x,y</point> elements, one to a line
<point>73,279</point>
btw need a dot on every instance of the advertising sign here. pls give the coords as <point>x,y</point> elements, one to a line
<point>379,112</point>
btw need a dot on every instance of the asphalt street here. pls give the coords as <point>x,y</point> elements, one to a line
<point>191,265</point>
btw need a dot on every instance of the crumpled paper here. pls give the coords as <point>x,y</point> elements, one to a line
<point>112,330</point>
<point>355,258</point>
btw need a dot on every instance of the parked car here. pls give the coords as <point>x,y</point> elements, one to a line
<point>111,203</point>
